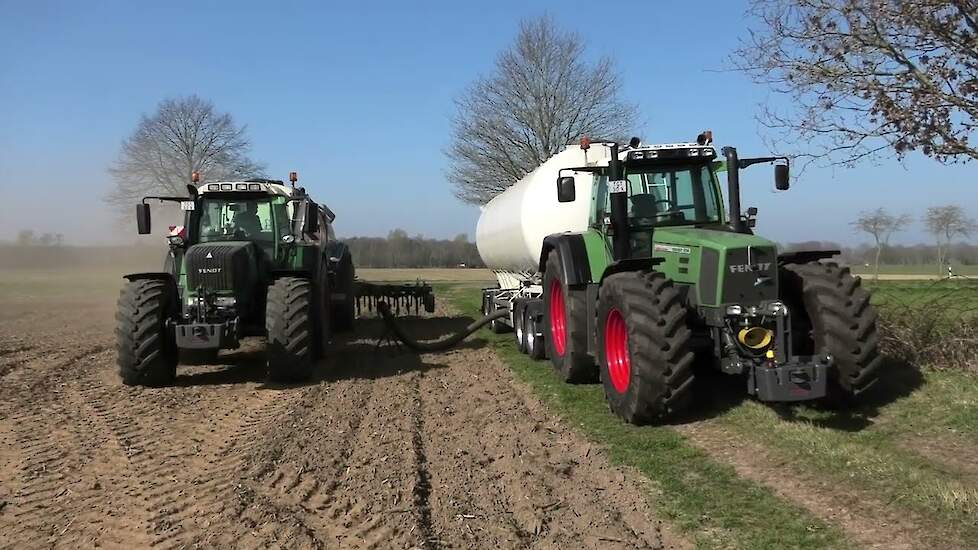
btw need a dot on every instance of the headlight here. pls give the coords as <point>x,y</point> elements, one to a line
<point>735,310</point>
<point>288,239</point>
<point>776,308</point>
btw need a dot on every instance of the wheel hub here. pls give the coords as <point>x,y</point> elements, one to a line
<point>616,351</point>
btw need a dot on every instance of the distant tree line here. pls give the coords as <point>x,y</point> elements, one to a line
<point>27,237</point>
<point>400,250</point>
<point>894,254</point>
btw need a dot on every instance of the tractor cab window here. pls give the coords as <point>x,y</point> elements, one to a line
<point>237,220</point>
<point>672,195</point>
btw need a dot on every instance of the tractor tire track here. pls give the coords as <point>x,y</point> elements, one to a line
<point>382,449</point>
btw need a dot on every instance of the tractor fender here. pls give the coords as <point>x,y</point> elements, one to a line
<point>297,273</point>
<point>573,256</point>
<point>630,264</point>
<point>805,256</point>
<point>168,278</point>
<point>335,250</point>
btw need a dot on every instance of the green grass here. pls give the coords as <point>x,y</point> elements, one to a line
<point>922,269</point>
<point>704,498</point>
<point>882,446</point>
<point>911,443</point>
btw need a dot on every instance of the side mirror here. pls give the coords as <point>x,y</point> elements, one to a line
<point>752,211</point>
<point>781,182</point>
<point>310,219</point>
<point>566,191</point>
<point>143,219</point>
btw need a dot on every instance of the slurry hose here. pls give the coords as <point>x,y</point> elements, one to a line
<point>438,345</point>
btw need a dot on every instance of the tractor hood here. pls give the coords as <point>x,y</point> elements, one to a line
<point>224,268</point>
<point>723,267</point>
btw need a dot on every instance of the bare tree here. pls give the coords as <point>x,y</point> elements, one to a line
<point>541,96</point>
<point>945,223</point>
<point>881,225</point>
<point>868,77</point>
<point>185,135</point>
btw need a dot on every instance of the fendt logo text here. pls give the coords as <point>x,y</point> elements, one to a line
<point>750,268</point>
<point>209,270</point>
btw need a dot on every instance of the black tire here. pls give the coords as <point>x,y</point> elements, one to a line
<point>345,311</point>
<point>147,352</point>
<point>519,329</point>
<point>535,347</point>
<point>291,326</point>
<point>837,319</point>
<point>567,348</point>
<point>198,356</point>
<point>644,347</point>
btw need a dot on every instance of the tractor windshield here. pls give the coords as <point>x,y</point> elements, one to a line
<point>672,195</point>
<point>242,219</point>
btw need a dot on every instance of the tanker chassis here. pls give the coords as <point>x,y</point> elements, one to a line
<point>632,270</point>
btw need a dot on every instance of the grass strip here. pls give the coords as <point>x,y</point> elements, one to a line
<point>705,499</point>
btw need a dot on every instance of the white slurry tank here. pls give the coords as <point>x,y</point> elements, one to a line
<point>513,225</point>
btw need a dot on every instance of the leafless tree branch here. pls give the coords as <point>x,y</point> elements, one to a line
<point>541,96</point>
<point>866,78</point>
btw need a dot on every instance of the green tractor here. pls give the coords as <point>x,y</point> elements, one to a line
<point>661,277</point>
<point>253,258</point>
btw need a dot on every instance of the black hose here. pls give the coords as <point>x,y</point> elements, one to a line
<point>438,345</point>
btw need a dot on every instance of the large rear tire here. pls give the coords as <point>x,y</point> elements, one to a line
<point>838,320</point>
<point>292,329</point>
<point>147,352</point>
<point>643,347</point>
<point>565,321</point>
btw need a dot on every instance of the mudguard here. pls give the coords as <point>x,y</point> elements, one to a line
<point>335,250</point>
<point>158,276</point>
<point>805,256</point>
<point>631,264</point>
<point>573,257</point>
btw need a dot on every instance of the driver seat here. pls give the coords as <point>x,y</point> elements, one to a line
<point>248,221</point>
<point>643,205</point>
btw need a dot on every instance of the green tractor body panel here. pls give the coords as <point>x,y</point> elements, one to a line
<point>721,265</point>
<point>598,252</point>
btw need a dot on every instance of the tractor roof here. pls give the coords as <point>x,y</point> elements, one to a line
<point>272,187</point>
<point>599,154</point>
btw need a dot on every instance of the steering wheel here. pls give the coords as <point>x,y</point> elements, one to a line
<point>671,208</point>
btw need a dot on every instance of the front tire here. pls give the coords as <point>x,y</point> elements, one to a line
<point>839,321</point>
<point>643,347</point>
<point>147,352</point>
<point>291,326</point>
<point>565,320</point>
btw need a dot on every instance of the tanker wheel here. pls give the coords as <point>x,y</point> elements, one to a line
<point>292,329</point>
<point>147,352</point>
<point>519,325</point>
<point>565,320</point>
<point>643,347</point>
<point>535,347</point>
<point>837,319</point>
<point>344,312</point>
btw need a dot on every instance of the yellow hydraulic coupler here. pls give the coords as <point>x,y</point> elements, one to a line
<point>755,337</point>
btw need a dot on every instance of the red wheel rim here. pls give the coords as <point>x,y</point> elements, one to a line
<point>558,329</point>
<point>616,351</point>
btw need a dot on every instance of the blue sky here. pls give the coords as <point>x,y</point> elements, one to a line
<point>358,97</point>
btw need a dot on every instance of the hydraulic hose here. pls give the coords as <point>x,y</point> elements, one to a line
<point>437,345</point>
